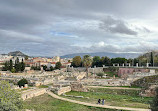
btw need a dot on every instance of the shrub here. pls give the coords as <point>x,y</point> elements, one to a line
<point>113,69</point>
<point>58,65</point>
<point>13,70</point>
<point>22,82</point>
<point>9,99</point>
<point>100,74</point>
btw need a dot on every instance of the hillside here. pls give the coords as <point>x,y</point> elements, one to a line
<point>16,53</point>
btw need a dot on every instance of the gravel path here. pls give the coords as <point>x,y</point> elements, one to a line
<point>95,105</point>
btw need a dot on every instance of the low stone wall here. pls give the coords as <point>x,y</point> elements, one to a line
<point>63,90</point>
<point>81,75</point>
<point>106,82</point>
<point>95,70</point>
<point>32,93</point>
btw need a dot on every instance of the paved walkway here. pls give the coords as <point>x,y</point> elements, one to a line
<point>114,87</point>
<point>95,105</point>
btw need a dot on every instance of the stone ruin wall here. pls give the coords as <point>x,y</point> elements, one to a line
<point>63,90</point>
<point>33,93</point>
<point>78,87</point>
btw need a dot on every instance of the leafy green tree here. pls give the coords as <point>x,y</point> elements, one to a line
<point>87,62</point>
<point>22,82</point>
<point>107,61</point>
<point>154,103</point>
<point>76,61</point>
<point>44,67</point>
<point>96,61</point>
<point>10,99</point>
<point>51,68</point>
<point>118,60</point>
<point>58,65</point>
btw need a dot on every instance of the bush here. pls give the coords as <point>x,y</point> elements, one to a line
<point>113,69</point>
<point>22,82</point>
<point>58,65</point>
<point>10,99</point>
<point>13,70</point>
<point>100,74</point>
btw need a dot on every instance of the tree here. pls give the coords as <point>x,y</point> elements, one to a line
<point>10,65</point>
<point>51,68</point>
<point>10,99</point>
<point>87,62</point>
<point>96,60</point>
<point>6,66</point>
<point>151,59</point>
<point>107,61</point>
<point>76,61</point>
<point>154,103</point>
<point>118,60</point>
<point>17,65</point>
<point>44,67</point>
<point>22,66</point>
<point>58,65</point>
<point>22,82</point>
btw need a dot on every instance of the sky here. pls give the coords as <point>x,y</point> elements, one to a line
<point>59,27</point>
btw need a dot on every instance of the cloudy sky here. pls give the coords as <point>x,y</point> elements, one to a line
<point>59,27</point>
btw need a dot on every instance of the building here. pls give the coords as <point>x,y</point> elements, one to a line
<point>56,59</point>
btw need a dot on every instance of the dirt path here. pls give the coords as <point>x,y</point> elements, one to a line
<point>114,87</point>
<point>95,105</point>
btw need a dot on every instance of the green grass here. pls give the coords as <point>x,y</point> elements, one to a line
<point>111,74</point>
<point>43,86</point>
<point>123,98</point>
<point>47,103</point>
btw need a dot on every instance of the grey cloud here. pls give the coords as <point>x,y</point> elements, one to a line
<point>116,26</point>
<point>25,24</point>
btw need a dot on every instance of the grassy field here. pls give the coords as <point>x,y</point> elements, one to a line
<point>43,86</point>
<point>47,103</point>
<point>116,97</point>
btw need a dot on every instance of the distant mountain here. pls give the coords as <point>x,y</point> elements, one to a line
<point>101,54</point>
<point>17,53</point>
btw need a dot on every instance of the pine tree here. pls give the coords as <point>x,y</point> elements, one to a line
<point>151,59</point>
<point>10,65</point>
<point>22,65</point>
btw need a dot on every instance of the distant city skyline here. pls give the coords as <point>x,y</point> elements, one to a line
<point>60,27</point>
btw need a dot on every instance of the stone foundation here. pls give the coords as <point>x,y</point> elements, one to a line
<point>32,93</point>
<point>78,87</point>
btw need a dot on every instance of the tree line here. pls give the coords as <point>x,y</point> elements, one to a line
<point>100,61</point>
<point>14,67</point>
